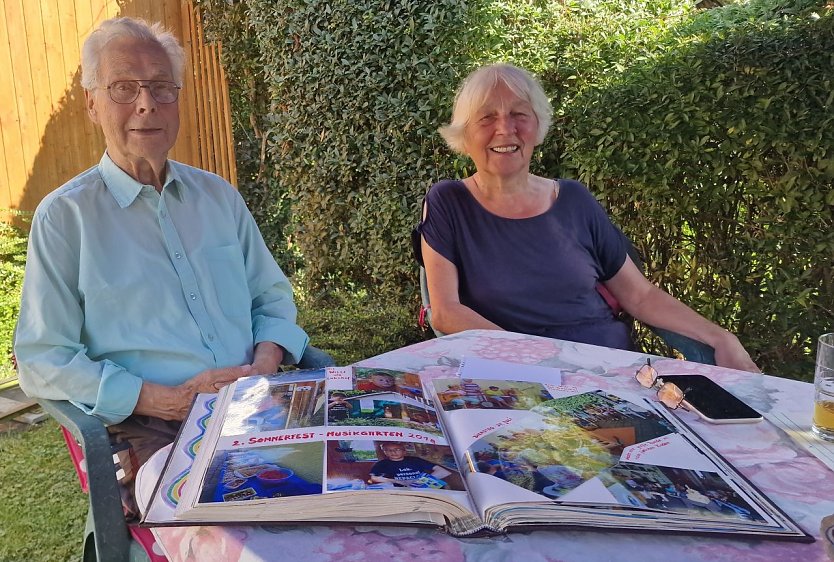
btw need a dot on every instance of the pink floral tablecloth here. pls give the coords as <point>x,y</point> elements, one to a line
<point>798,482</point>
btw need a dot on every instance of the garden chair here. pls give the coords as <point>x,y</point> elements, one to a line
<point>107,537</point>
<point>690,349</point>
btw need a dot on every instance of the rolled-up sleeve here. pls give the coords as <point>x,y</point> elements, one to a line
<point>51,360</point>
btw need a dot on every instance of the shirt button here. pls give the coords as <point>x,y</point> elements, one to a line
<point>177,255</point>
<point>211,337</point>
<point>193,296</point>
<point>163,214</point>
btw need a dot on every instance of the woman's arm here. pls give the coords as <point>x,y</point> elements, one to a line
<point>448,315</point>
<point>650,304</point>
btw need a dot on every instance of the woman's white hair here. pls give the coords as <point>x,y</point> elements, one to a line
<point>116,28</point>
<point>478,86</point>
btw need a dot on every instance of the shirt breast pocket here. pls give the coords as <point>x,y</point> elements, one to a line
<point>228,274</point>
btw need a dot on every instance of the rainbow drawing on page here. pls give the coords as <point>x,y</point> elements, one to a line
<point>174,492</point>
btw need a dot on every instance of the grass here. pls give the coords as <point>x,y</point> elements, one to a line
<point>43,510</point>
<point>355,324</point>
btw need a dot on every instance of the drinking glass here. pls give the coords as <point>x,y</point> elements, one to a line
<point>824,389</point>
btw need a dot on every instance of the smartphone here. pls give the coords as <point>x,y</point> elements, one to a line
<point>711,401</point>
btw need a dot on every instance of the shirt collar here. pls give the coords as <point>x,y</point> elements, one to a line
<point>125,189</point>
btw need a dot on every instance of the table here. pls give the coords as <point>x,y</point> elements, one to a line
<point>797,481</point>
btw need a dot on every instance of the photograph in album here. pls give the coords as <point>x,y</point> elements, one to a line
<point>387,465</point>
<point>269,472</point>
<point>692,492</point>
<point>374,408</point>
<point>462,393</point>
<point>264,404</point>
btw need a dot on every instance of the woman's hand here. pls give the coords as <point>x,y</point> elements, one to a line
<point>731,354</point>
<point>656,307</point>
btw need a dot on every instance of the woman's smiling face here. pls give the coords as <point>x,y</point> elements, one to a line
<point>501,135</point>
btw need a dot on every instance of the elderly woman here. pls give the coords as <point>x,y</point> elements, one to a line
<point>506,249</point>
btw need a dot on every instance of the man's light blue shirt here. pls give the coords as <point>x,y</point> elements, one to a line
<point>124,284</point>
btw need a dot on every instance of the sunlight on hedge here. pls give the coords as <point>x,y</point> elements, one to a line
<point>706,134</point>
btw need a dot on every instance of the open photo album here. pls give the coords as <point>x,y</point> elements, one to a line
<point>472,456</point>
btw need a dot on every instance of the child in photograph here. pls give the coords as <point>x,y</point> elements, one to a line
<point>338,409</point>
<point>511,397</point>
<point>472,392</point>
<point>452,397</point>
<point>493,469</point>
<point>378,381</point>
<point>496,396</point>
<point>274,415</point>
<point>401,469</point>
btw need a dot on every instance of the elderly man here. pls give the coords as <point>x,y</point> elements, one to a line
<point>147,281</point>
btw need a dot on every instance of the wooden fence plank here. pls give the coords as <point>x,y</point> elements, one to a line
<point>227,121</point>
<point>9,117</point>
<point>57,139</point>
<point>200,91</point>
<point>9,135</point>
<point>224,133</point>
<point>113,9</point>
<point>74,102</point>
<point>46,136</point>
<point>42,93</point>
<point>207,70</point>
<point>87,15</point>
<point>156,12</point>
<point>217,116</point>
<point>24,90</point>
<point>209,104</point>
<point>187,147</point>
<point>5,188</point>
<point>98,13</point>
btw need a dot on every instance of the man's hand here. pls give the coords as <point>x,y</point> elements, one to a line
<point>173,402</point>
<point>213,380</point>
<point>268,357</point>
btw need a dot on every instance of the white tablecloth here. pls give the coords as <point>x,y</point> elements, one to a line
<point>798,482</point>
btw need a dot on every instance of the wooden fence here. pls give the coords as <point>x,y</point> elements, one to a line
<point>47,137</point>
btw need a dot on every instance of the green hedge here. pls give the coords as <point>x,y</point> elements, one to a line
<point>250,108</point>
<point>705,133</point>
<point>357,90</point>
<point>717,156</point>
<point>12,260</point>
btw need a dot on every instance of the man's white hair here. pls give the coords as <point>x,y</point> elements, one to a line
<point>116,28</point>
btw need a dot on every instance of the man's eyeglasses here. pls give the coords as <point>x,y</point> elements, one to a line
<point>668,393</point>
<point>126,91</point>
